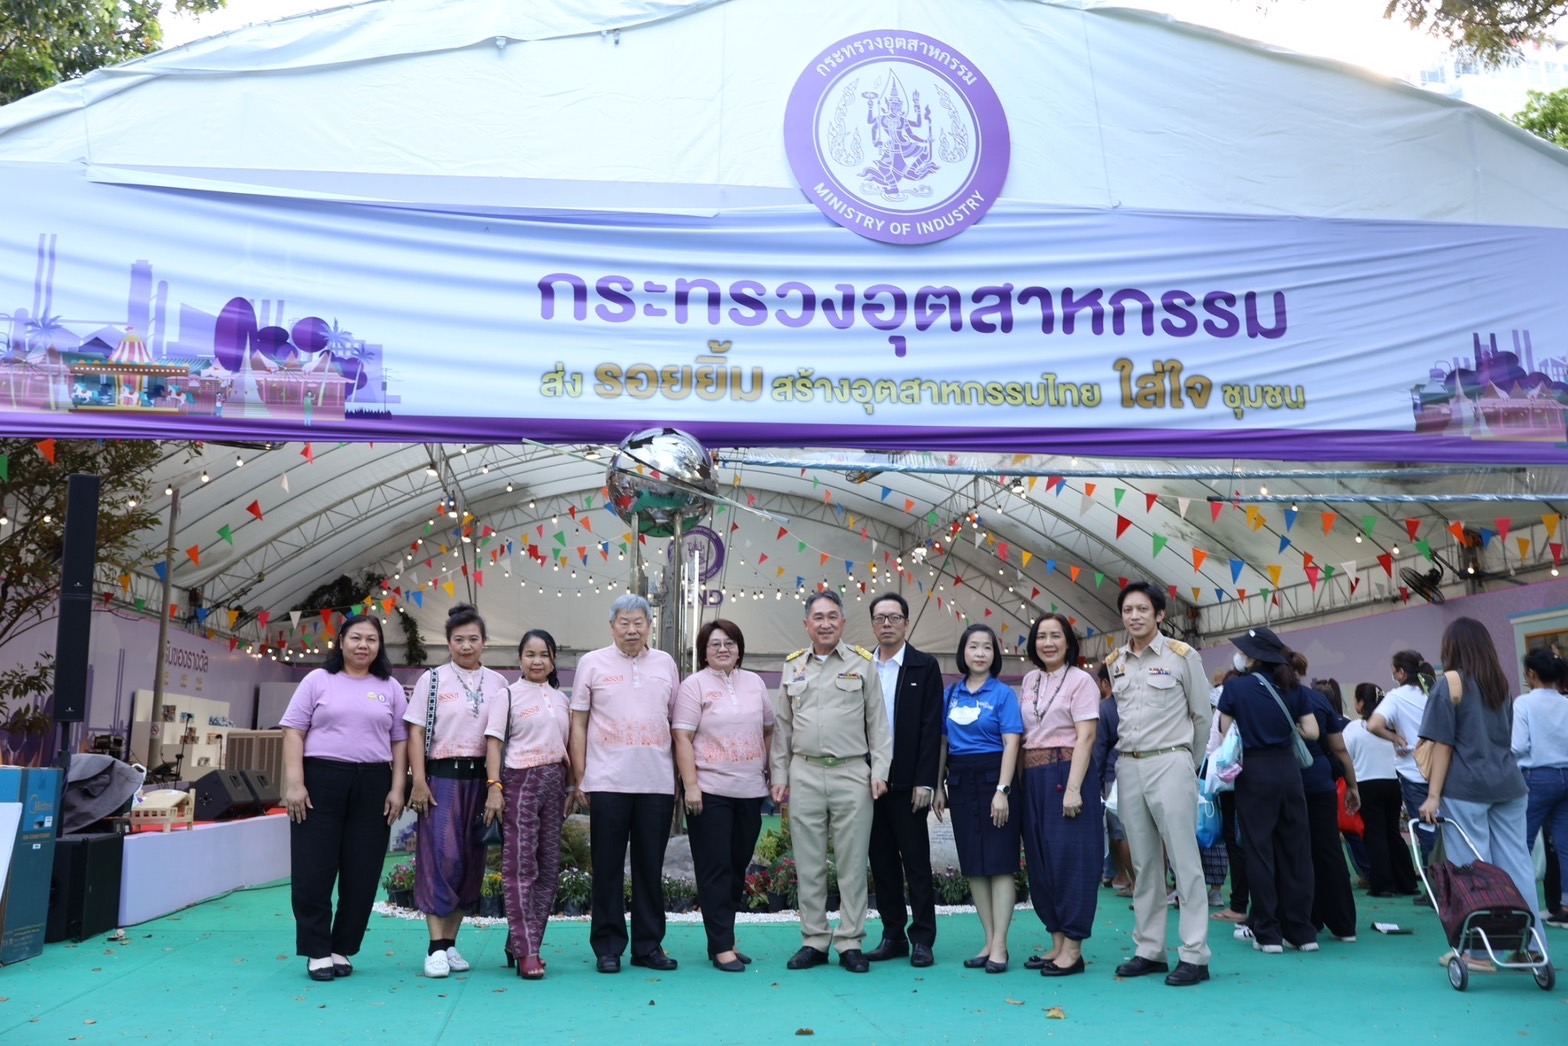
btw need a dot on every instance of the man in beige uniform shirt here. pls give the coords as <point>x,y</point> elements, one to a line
<point>831,753</point>
<point>1162,697</point>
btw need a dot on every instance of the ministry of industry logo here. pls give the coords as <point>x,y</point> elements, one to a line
<point>898,137</point>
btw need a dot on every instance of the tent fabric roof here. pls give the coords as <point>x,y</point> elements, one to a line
<point>440,103</point>
<point>1125,109</point>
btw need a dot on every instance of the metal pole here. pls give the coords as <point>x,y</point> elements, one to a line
<point>158,673</point>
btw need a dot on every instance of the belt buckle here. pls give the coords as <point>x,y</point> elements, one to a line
<point>831,760</point>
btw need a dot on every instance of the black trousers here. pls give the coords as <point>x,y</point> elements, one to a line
<point>1552,882</point>
<point>901,858</point>
<point>616,819</point>
<point>342,840</point>
<point>1333,903</point>
<point>1235,855</point>
<point>1392,872</point>
<point>1272,811</point>
<point>723,838</point>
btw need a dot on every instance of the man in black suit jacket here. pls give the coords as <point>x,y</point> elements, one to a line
<point>900,845</point>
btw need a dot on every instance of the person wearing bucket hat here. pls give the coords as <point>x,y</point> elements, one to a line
<point>1270,802</point>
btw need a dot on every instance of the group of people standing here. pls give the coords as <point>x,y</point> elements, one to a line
<point>864,745</point>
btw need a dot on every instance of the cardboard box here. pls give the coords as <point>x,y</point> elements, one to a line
<point>24,904</point>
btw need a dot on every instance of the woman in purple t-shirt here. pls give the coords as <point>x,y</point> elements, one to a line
<point>344,754</point>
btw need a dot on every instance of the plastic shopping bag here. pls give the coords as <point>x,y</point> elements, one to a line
<point>1210,828</point>
<point>1225,762</point>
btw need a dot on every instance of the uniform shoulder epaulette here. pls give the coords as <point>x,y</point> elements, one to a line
<point>1178,648</point>
<point>862,651</point>
<point>799,653</point>
<point>1115,656</point>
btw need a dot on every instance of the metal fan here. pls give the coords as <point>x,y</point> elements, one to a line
<point>1424,585</point>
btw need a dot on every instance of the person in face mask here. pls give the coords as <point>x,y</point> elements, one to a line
<point>1270,802</point>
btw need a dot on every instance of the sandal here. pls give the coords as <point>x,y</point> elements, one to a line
<point>1229,916</point>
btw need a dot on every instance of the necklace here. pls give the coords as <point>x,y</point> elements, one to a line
<point>1059,683</point>
<point>473,688</point>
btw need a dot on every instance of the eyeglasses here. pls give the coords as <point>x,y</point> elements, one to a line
<point>887,619</point>
<point>722,644</point>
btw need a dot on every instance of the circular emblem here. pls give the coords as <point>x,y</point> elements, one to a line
<point>897,137</point>
<point>703,546</point>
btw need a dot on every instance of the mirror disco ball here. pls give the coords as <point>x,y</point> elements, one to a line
<point>660,479</point>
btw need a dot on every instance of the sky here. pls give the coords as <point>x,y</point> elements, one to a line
<point>1352,31</point>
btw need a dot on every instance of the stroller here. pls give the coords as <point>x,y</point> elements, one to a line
<point>1481,908</point>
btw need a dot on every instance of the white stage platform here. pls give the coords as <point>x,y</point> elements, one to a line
<point>167,871</point>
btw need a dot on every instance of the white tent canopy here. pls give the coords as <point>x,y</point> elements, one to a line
<point>574,117</point>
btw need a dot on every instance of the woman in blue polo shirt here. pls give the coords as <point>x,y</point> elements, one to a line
<point>982,729</point>
<point>1270,802</point>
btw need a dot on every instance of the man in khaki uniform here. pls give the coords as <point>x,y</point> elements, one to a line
<point>831,752</point>
<point>1162,697</point>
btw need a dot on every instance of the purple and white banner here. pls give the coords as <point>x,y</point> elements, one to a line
<point>129,311</point>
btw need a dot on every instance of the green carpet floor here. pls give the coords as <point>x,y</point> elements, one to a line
<point>224,972</point>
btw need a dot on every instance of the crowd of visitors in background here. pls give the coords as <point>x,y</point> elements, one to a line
<point>1097,772</point>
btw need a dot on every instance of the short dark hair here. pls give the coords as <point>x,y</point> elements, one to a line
<point>730,629</point>
<point>1067,630</point>
<point>464,614</point>
<point>996,650</point>
<point>903,604</point>
<point>823,593</point>
<point>549,642</point>
<point>1547,666</point>
<point>1156,597</point>
<point>381,667</point>
<point>1103,672</point>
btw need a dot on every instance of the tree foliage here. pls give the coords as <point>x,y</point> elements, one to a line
<point>1490,29</point>
<point>43,42</point>
<point>32,499</point>
<point>1545,116</point>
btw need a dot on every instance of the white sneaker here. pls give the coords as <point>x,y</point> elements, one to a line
<point>455,962</point>
<point>1268,949</point>
<point>436,965</point>
<point>1348,939</point>
<point>1215,899</point>
<point>1242,933</point>
<point>1310,946</point>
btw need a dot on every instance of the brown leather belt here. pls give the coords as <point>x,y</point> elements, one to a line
<point>832,760</point>
<point>1157,751</point>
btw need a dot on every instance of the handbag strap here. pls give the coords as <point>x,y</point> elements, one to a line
<point>430,710</point>
<point>1277,699</point>
<point>1456,686</point>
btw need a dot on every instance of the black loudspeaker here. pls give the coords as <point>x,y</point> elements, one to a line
<point>263,788</point>
<point>76,598</point>
<point>84,893</point>
<point>223,795</point>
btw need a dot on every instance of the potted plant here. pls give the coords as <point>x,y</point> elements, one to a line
<point>1021,881</point>
<point>757,889</point>
<point>680,895</point>
<point>491,901</point>
<point>400,885</point>
<point>573,890</point>
<point>834,901</point>
<point>951,887</point>
<point>783,888</point>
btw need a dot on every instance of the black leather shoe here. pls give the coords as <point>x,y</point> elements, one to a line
<point>977,963</point>
<point>1050,969</point>
<point>888,949</point>
<point>1137,966</point>
<point>854,961</point>
<point>996,967</point>
<point>342,969</point>
<point>609,964</point>
<point>1036,962</point>
<point>806,958</point>
<point>920,955</point>
<point>733,966</point>
<point>1187,974</point>
<point>743,957</point>
<point>655,960</point>
<point>320,973</point>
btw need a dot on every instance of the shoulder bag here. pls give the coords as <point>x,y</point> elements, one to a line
<point>1298,745</point>
<point>1424,747</point>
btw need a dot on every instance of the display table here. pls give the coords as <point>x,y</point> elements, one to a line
<point>167,871</point>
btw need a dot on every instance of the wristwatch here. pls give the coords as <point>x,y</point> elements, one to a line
<point>1005,789</point>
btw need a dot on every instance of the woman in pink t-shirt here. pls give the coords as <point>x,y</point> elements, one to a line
<point>447,715</point>
<point>533,724</point>
<point>344,748</point>
<point>1064,843</point>
<point>723,727</point>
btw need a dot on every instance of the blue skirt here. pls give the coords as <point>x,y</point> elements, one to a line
<point>983,849</point>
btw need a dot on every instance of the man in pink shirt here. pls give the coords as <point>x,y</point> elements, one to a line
<point>623,768</point>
